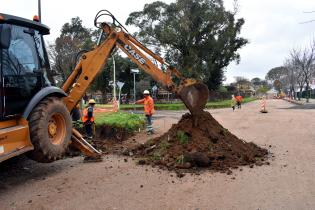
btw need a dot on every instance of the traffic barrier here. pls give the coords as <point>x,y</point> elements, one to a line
<point>263,106</point>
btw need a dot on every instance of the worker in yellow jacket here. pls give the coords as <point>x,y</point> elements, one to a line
<point>233,102</point>
<point>88,118</point>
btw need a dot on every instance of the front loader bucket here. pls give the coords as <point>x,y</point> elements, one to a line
<point>194,96</point>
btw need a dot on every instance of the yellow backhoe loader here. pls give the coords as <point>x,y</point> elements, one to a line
<point>35,116</point>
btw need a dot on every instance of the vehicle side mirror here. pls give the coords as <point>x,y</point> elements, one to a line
<point>5,36</point>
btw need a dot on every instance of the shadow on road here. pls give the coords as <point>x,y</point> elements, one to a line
<point>305,106</point>
<point>20,169</point>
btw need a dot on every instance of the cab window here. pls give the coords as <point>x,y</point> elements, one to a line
<point>21,64</point>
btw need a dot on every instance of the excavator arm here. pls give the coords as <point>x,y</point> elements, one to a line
<point>194,94</point>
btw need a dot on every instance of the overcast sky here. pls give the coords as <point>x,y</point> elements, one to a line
<point>272,26</point>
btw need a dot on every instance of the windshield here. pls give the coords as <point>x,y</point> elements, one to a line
<point>26,53</point>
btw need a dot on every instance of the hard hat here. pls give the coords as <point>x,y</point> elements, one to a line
<point>92,101</point>
<point>146,92</point>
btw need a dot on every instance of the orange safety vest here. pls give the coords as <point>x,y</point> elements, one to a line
<point>239,98</point>
<point>85,116</point>
<point>148,105</point>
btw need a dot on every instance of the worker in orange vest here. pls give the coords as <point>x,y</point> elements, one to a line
<point>239,100</point>
<point>148,110</point>
<point>88,118</point>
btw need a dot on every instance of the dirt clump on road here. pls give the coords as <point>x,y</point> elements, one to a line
<point>199,142</point>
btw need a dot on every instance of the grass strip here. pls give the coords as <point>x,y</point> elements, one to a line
<point>128,121</point>
<point>178,106</point>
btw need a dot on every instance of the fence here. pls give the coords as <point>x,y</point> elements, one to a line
<point>310,93</point>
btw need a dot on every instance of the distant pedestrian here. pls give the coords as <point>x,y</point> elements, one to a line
<point>148,110</point>
<point>85,98</point>
<point>239,100</point>
<point>233,102</point>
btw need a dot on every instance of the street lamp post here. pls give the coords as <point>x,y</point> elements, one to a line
<point>120,85</point>
<point>154,89</point>
<point>134,71</point>
<point>114,77</point>
<point>39,11</point>
<point>238,89</point>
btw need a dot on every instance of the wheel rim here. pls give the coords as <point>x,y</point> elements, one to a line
<point>56,128</point>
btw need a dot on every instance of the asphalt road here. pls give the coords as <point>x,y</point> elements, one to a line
<point>287,183</point>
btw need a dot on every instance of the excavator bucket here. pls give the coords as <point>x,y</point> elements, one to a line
<point>194,96</point>
<point>86,148</point>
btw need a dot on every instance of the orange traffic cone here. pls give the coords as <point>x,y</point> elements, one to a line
<point>263,105</point>
<point>115,106</point>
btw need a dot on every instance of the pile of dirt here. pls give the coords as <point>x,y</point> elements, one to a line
<point>199,142</point>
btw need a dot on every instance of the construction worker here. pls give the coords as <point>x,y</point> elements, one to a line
<point>233,102</point>
<point>148,110</point>
<point>239,100</point>
<point>76,114</point>
<point>88,118</point>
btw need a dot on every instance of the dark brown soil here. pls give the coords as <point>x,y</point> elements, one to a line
<point>108,139</point>
<point>110,132</point>
<point>199,143</point>
<point>111,139</point>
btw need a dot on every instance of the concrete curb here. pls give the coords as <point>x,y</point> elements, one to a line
<point>294,101</point>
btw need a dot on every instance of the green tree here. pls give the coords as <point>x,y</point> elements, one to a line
<point>277,85</point>
<point>242,84</point>
<point>262,90</point>
<point>74,37</point>
<point>276,73</point>
<point>123,74</point>
<point>199,37</point>
<point>278,77</point>
<point>222,89</point>
<point>256,82</point>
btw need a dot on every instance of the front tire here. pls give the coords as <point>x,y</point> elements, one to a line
<point>50,130</point>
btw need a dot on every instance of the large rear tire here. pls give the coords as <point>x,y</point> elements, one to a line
<point>50,130</point>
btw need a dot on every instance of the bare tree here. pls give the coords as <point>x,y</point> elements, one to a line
<point>236,7</point>
<point>291,77</point>
<point>308,21</point>
<point>303,61</point>
<point>300,79</point>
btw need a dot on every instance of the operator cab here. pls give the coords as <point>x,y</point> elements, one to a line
<point>23,63</point>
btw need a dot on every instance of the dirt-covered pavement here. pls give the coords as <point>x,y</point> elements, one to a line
<point>118,183</point>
